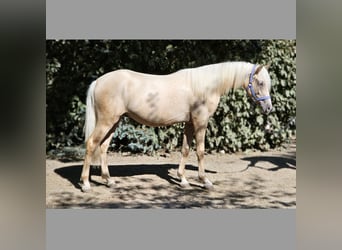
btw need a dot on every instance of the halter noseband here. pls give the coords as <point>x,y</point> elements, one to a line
<point>250,86</point>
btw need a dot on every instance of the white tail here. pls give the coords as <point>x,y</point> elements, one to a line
<point>90,119</point>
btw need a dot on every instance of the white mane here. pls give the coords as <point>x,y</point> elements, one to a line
<point>219,78</point>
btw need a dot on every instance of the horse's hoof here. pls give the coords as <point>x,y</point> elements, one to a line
<point>208,185</point>
<point>184,184</point>
<point>110,183</point>
<point>86,188</point>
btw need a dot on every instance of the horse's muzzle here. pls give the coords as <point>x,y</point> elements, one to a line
<point>266,106</point>
<point>268,110</point>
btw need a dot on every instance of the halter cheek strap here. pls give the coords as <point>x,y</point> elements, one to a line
<point>250,86</point>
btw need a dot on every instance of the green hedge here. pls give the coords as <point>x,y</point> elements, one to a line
<point>237,125</point>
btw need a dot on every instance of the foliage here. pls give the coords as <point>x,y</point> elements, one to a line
<point>129,136</point>
<point>71,65</point>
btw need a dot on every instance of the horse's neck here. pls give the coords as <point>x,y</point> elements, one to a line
<point>235,74</point>
<point>219,78</point>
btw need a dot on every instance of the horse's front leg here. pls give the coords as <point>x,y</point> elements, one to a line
<point>187,139</point>
<point>200,139</point>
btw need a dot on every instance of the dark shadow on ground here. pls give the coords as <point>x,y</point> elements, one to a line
<point>279,162</point>
<point>72,173</point>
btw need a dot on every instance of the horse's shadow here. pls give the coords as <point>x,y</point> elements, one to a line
<point>279,162</point>
<point>72,173</point>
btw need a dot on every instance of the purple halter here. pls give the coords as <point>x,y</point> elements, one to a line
<point>250,86</point>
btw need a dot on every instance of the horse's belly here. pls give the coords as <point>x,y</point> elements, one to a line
<point>158,117</point>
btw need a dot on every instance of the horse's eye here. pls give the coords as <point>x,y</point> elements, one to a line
<point>261,83</point>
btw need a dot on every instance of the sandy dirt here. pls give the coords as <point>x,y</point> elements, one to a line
<point>244,180</point>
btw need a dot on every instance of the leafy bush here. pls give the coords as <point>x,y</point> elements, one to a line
<point>129,136</point>
<point>71,65</point>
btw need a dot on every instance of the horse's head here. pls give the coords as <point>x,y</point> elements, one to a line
<point>259,87</point>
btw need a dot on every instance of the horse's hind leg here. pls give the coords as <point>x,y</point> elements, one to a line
<point>96,138</point>
<point>85,185</point>
<point>91,145</point>
<point>187,139</point>
<point>104,163</point>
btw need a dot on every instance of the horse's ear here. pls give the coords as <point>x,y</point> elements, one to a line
<point>258,69</point>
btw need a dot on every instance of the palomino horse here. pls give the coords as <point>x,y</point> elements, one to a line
<point>189,95</point>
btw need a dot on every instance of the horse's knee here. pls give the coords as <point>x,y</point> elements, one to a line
<point>186,151</point>
<point>200,154</point>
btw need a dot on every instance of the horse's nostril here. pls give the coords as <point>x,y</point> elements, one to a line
<point>268,109</point>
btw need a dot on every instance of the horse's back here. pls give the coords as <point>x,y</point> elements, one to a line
<point>128,81</point>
